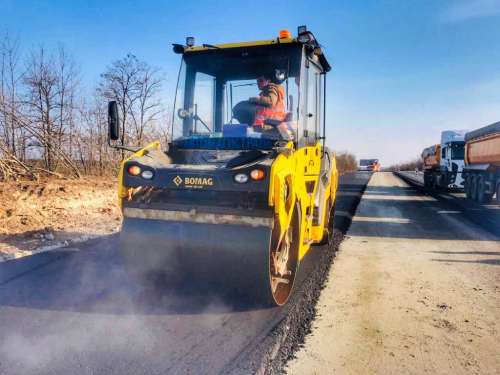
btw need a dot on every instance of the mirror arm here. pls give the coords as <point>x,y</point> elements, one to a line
<point>198,118</point>
<point>126,148</point>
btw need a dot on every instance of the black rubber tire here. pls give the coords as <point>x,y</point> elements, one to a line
<point>480,189</point>
<point>467,187</point>
<point>435,185</point>
<point>473,188</point>
<point>426,180</point>
<point>482,196</point>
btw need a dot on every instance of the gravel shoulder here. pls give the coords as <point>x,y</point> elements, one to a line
<point>415,289</point>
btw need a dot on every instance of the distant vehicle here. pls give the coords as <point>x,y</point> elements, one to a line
<point>482,163</point>
<point>370,165</point>
<point>443,163</point>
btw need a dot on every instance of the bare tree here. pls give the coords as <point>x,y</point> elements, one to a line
<point>135,86</point>
<point>48,127</point>
<point>147,107</point>
<point>67,84</point>
<point>91,139</point>
<point>13,137</point>
<point>50,85</point>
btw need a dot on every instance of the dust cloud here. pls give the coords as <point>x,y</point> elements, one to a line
<point>85,311</point>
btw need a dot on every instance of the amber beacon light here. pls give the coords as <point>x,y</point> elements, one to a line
<point>284,34</point>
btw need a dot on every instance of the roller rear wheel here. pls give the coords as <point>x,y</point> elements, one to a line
<point>329,228</point>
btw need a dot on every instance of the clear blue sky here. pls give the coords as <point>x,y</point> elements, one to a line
<point>403,70</point>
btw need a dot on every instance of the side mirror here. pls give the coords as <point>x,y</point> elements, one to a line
<point>184,113</point>
<point>113,121</point>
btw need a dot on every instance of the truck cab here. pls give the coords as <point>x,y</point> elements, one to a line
<point>369,165</point>
<point>452,159</point>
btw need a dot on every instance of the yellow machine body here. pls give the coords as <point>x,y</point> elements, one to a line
<point>200,212</point>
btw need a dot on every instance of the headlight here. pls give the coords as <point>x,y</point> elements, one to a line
<point>304,38</point>
<point>148,175</point>
<point>241,178</point>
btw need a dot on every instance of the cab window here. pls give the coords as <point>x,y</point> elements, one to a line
<point>313,103</point>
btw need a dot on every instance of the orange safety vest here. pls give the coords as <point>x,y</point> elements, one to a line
<point>275,112</point>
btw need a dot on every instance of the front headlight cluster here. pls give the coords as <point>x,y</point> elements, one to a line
<point>135,170</point>
<point>255,175</point>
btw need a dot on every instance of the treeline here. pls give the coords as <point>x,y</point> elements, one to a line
<point>407,166</point>
<point>346,162</point>
<point>51,124</point>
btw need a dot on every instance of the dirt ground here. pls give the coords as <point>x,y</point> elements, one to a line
<point>39,215</point>
<point>415,289</point>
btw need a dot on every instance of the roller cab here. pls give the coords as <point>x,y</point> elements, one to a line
<point>239,194</point>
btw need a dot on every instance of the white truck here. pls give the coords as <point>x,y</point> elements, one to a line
<point>443,163</point>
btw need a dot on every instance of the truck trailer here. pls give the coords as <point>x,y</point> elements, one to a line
<point>482,163</point>
<point>443,163</point>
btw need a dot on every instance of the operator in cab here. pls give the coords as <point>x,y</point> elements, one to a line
<point>266,113</point>
<point>270,102</point>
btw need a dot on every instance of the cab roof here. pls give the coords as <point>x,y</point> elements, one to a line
<point>313,45</point>
<point>255,43</point>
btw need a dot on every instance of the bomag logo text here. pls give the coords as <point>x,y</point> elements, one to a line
<point>194,181</point>
<point>205,181</point>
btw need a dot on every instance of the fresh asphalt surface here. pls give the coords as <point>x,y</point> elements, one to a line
<point>485,215</point>
<point>74,311</point>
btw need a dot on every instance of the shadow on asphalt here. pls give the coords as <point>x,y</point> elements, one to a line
<point>492,262</point>
<point>486,216</point>
<point>354,184</point>
<point>410,214</point>
<point>467,252</point>
<point>384,190</point>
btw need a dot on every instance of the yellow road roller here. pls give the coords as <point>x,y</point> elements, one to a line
<point>245,186</point>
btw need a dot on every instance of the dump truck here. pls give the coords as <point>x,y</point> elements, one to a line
<point>482,163</point>
<point>227,201</point>
<point>443,163</point>
<point>369,165</point>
